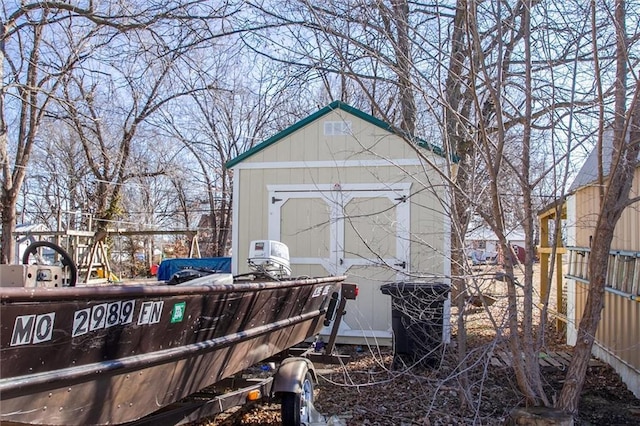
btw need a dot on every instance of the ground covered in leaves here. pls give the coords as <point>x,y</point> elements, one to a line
<point>377,395</point>
<point>370,389</point>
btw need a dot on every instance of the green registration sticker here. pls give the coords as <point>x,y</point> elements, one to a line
<point>177,313</point>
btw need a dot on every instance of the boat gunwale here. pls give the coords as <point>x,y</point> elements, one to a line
<point>23,294</point>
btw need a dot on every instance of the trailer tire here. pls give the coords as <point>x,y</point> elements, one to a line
<point>296,407</point>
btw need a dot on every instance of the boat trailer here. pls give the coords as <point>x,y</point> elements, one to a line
<point>117,354</point>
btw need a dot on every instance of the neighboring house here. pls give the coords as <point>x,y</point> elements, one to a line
<point>348,196</point>
<point>482,245</point>
<point>618,336</point>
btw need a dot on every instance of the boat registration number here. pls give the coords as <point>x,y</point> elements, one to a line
<point>33,329</point>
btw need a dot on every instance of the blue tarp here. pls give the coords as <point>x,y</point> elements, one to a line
<point>168,267</point>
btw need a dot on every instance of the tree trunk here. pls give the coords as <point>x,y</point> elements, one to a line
<point>529,347</point>
<point>616,198</point>
<point>538,416</point>
<point>404,64</point>
<point>5,246</point>
<point>463,149</point>
<point>8,248</point>
<point>624,160</point>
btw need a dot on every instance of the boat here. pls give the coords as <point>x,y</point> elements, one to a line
<point>113,354</point>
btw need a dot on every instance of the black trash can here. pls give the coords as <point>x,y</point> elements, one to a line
<point>417,320</point>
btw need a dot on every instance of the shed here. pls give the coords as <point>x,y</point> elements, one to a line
<point>349,196</point>
<point>618,332</point>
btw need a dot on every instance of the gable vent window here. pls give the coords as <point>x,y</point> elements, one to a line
<point>337,128</point>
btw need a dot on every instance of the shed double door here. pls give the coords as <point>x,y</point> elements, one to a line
<point>358,230</point>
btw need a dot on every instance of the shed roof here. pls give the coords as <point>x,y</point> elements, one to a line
<point>324,111</point>
<point>588,174</point>
<point>589,171</point>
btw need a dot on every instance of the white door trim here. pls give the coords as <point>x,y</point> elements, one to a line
<point>235,215</point>
<point>336,196</point>
<point>330,187</point>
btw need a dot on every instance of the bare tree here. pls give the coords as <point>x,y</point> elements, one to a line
<point>366,46</point>
<point>497,95</point>
<point>223,123</point>
<point>59,181</point>
<point>615,198</point>
<point>108,137</point>
<point>40,44</point>
<point>34,74</point>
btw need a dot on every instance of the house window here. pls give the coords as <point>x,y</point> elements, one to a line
<point>337,128</point>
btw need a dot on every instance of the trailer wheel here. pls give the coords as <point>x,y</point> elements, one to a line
<point>296,407</point>
<point>33,256</point>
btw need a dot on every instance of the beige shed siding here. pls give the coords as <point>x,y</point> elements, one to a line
<point>256,180</point>
<point>428,229</point>
<point>319,176</point>
<point>368,229</point>
<point>367,142</point>
<point>251,211</point>
<point>308,239</point>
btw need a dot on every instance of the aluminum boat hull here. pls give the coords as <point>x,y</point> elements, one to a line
<point>110,355</point>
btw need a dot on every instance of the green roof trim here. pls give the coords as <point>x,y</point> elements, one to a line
<point>324,111</point>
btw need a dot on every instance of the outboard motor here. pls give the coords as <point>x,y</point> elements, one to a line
<point>269,257</point>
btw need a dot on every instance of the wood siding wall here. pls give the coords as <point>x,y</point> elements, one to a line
<point>619,330</point>
<point>302,157</point>
<point>627,234</point>
<point>429,230</point>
